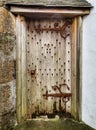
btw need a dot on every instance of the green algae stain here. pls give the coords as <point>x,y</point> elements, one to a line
<point>64,124</point>
<point>7,42</point>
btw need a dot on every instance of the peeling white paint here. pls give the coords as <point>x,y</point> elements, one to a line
<point>89,68</point>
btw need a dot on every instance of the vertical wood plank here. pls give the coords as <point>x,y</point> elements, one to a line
<point>74,66</point>
<point>23,67</point>
<point>18,67</point>
<point>79,70</point>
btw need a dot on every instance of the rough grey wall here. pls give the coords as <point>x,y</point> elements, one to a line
<point>7,69</point>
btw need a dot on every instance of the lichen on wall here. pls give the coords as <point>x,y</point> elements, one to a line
<point>7,69</point>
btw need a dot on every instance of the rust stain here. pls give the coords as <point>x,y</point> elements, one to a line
<point>56,28</point>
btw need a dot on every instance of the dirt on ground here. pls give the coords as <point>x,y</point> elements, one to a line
<point>59,124</point>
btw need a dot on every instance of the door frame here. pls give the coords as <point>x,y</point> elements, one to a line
<point>21,31</point>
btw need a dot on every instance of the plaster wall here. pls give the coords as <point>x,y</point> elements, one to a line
<point>89,68</point>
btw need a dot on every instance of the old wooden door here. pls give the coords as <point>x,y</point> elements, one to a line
<point>49,67</point>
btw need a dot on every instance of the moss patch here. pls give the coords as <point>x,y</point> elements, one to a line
<point>7,42</point>
<point>64,124</point>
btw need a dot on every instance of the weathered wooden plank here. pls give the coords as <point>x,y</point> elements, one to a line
<point>74,67</point>
<point>23,67</point>
<point>64,12</point>
<point>18,67</point>
<point>79,69</point>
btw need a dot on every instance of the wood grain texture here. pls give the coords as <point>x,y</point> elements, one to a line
<point>48,64</point>
<point>21,68</point>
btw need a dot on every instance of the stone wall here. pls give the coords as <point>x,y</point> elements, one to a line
<point>7,69</point>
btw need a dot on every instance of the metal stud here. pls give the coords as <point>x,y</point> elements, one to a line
<point>40,82</point>
<point>61,65</point>
<point>49,90</point>
<point>57,82</point>
<point>64,80</point>
<point>68,80</point>
<point>68,42</point>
